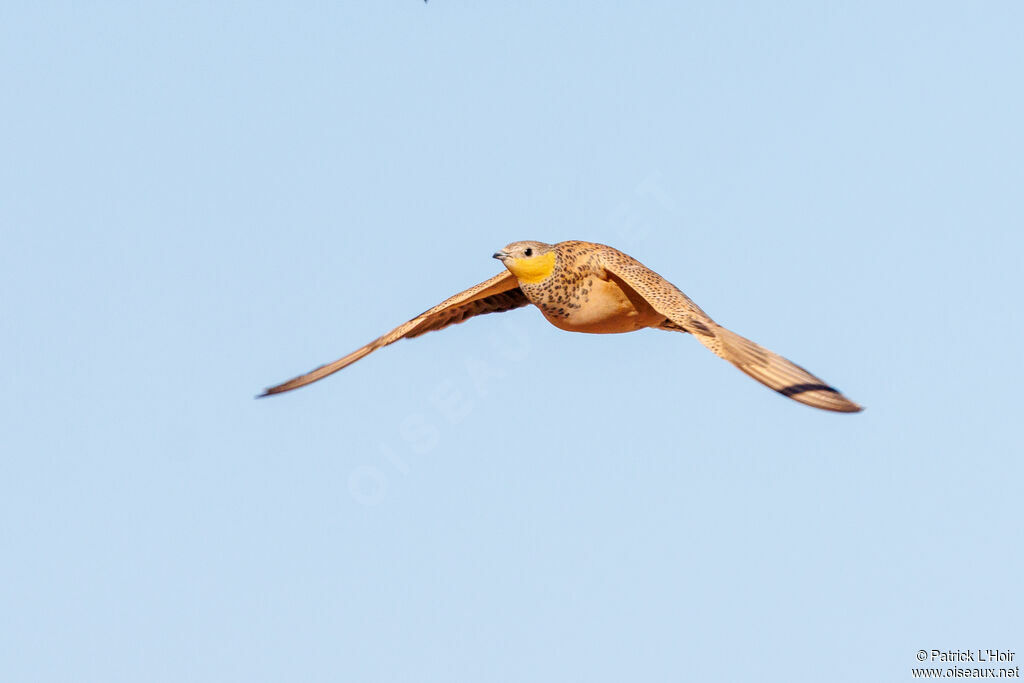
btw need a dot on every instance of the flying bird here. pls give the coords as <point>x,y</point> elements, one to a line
<point>588,287</point>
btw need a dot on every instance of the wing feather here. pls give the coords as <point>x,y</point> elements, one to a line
<point>499,293</point>
<point>767,367</point>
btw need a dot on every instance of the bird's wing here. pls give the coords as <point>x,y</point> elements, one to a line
<point>767,367</point>
<point>500,293</point>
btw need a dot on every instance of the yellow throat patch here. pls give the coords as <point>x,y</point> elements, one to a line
<point>533,269</point>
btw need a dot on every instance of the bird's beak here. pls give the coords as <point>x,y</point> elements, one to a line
<point>500,255</point>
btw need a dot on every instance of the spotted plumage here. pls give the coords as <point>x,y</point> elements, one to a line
<point>588,287</point>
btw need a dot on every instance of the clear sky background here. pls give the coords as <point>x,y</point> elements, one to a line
<point>198,200</point>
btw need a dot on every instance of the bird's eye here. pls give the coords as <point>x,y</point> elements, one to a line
<point>528,252</point>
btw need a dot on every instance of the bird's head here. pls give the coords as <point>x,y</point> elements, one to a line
<point>528,261</point>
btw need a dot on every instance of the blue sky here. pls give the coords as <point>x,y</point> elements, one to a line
<point>199,201</point>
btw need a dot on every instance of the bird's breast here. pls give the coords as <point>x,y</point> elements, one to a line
<point>596,306</point>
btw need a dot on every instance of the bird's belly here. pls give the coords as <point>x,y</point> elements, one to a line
<point>606,309</point>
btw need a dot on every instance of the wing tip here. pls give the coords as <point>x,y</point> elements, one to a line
<point>274,390</point>
<point>851,407</point>
<point>819,395</point>
<point>839,404</point>
<point>832,401</point>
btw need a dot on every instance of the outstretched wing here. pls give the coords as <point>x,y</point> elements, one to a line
<point>767,367</point>
<point>500,293</point>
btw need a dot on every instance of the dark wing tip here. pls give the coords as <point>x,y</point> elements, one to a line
<point>286,386</point>
<point>821,396</point>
